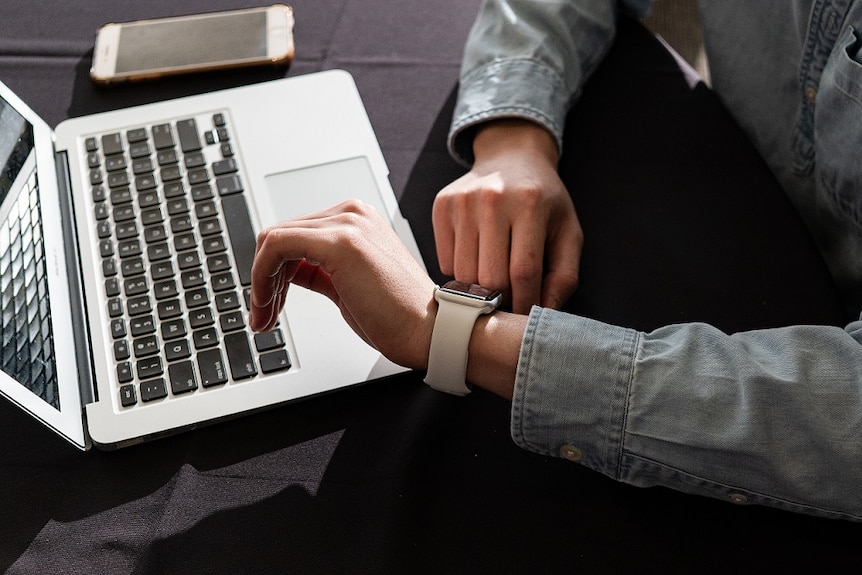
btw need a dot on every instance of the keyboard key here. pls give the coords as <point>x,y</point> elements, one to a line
<point>142,166</point>
<point>231,321</point>
<point>121,196</point>
<point>173,329</point>
<point>153,389</point>
<point>226,301</point>
<point>218,263</point>
<point>146,182</point>
<point>192,278</point>
<point>121,350</point>
<point>163,136</point>
<point>118,180</point>
<point>198,176</point>
<point>112,287</point>
<point>242,236</point>
<point>106,248</point>
<point>174,189</point>
<point>152,216</point>
<point>149,367</point>
<point>124,213</point>
<point>223,167</point>
<point>161,270</point>
<point>135,286</point>
<point>188,260</point>
<point>142,325</point>
<point>180,224</point>
<point>197,298</point>
<point>212,368</point>
<point>228,185</point>
<point>205,338</point>
<point>114,163</point>
<point>178,349</point>
<point>139,305</point>
<point>118,328</point>
<point>103,229</point>
<point>187,131</point>
<point>169,309</point>
<point>124,372</point>
<point>139,150</point>
<point>148,199</point>
<point>194,160</point>
<point>136,134</point>
<point>268,341</point>
<point>128,396</point>
<point>170,174</point>
<point>165,289</point>
<point>273,361</point>
<point>201,318</point>
<point>127,230</point>
<point>145,346</point>
<point>132,267</point>
<point>129,248</point>
<point>223,281</point>
<point>239,355</point>
<point>158,252</point>
<point>182,377</point>
<point>167,157</point>
<point>112,144</point>
<point>184,242</point>
<point>214,245</point>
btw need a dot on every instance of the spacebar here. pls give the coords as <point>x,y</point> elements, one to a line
<point>242,236</point>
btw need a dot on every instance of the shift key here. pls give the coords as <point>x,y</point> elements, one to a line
<point>239,355</point>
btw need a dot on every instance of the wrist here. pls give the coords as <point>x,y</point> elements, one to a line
<point>495,346</point>
<point>514,135</point>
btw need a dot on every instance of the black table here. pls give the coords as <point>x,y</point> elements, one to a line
<point>683,222</point>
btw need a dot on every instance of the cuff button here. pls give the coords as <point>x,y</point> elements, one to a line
<point>571,453</point>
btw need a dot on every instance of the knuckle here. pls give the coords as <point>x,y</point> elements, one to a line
<point>524,272</point>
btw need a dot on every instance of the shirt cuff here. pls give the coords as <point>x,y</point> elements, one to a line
<point>572,388</point>
<point>496,90</point>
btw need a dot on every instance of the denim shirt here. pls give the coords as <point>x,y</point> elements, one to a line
<point>768,417</point>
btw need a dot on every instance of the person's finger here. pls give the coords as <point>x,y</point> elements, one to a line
<point>525,266</point>
<point>444,233</point>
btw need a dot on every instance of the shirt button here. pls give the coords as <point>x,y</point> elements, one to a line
<point>738,499</point>
<point>810,93</point>
<point>571,453</point>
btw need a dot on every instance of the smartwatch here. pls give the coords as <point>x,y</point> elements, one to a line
<point>459,306</point>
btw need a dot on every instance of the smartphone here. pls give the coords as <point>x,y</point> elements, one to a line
<point>149,49</point>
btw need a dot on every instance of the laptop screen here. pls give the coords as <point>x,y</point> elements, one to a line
<point>25,324</point>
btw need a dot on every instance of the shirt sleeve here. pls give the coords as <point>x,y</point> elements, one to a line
<point>769,417</point>
<point>529,59</point>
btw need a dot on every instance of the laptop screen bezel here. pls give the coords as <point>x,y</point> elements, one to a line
<point>68,421</point>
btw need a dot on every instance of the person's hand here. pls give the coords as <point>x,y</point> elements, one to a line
<point>350,254</point>
<point>510,223</point>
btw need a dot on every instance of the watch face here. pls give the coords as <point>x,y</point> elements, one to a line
<point>471,290</point>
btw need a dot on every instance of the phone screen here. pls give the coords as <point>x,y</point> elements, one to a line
<point>192,42</point>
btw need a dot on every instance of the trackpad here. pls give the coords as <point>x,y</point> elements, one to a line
<point>308,190</point>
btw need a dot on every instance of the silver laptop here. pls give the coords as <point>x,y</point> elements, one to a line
<point>126,241</point>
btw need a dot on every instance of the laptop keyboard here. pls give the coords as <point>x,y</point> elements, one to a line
<point>176,244</point>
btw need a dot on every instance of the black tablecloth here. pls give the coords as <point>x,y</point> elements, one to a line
<point>683,222</point>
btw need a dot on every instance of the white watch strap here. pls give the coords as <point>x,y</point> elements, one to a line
<point>447,358</point>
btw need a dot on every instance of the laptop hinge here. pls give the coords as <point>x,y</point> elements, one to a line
<point>87,378</point>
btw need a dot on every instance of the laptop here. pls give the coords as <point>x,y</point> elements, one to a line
<point>126,241</point>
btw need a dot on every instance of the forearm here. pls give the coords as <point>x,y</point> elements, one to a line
<point>768,417</point>
<point>529,59</point>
